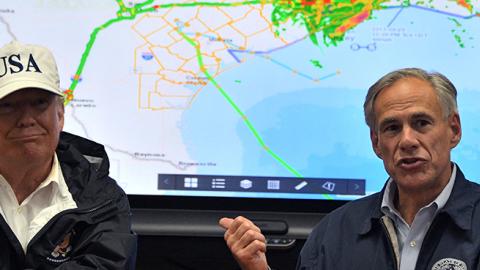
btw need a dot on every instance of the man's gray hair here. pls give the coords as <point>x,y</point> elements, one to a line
<point>444,88</point>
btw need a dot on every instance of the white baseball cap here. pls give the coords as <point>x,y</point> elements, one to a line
<point>27,66</point>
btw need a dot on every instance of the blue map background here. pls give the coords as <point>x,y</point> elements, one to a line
<point>318,127</point>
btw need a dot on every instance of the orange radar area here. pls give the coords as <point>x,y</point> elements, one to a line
<point>68,95</point>
<point>465,4</point>
<point>332,18</point>
<point>352,22</point>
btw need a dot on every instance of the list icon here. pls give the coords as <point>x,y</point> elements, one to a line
<point>218,183</point>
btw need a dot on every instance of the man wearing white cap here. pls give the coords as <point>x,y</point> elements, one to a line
<point>59,208</point>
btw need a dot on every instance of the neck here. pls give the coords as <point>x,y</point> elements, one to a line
<point>409,202</point>
<point>408,205</point>
<point>25,178</point>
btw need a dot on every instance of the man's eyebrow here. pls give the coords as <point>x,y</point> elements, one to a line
<point>387,121</point>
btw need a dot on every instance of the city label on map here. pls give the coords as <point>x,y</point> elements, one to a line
<point>199,164</point>
<point>7,10</point>
<point>83,103</point>
<point>390,34</point>
<point>148,155</point>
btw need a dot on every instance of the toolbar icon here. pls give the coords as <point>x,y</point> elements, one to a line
<point>301,185</point>
<point>273,184</point>
<point>218,183</point>
<point>330,186</point>
<point>190,182</point>
<point>166,181</point>
<point>246,184</point>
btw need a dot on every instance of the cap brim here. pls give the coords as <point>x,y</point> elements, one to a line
<point>22,84</point>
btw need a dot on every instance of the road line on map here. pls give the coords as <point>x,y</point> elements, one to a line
<point>236,108</point>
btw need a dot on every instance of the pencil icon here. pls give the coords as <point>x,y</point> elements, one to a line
<point>301,185</point>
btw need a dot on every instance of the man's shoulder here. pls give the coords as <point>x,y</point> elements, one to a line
<point>464,191</point>
<point>351,215</point>
<point>362,207</point>
<point>343,225</point>
<point>83,145</point>
<point>85,167</point>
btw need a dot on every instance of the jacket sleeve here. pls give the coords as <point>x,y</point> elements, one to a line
<point>105,240</point>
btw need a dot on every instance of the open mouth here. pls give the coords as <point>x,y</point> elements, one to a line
<point>411,163</point>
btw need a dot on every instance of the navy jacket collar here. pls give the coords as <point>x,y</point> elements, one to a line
<point>459,206</point>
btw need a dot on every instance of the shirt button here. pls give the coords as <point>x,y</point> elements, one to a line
<point>19,209</point>
<point>413,243</point>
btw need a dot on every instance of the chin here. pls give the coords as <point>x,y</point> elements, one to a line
<point>36,152</point>
<point>416,182</point>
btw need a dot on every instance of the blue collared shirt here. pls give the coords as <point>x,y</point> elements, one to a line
<point>410,238</point>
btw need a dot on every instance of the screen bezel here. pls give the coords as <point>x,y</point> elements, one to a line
<point>233,204</point>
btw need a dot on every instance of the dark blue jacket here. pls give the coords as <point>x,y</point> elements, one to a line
<point>355,235</point>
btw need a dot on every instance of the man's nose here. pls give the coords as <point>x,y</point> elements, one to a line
<point>408,139</point>
<point>26,116</point>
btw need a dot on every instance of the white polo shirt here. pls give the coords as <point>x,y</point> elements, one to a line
<point>50,198</point>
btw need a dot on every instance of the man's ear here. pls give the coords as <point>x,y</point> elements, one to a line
<point>456,128</point>
<point>61,115</point>
<point>374,139</point>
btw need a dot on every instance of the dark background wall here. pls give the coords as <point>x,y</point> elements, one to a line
<point>201,253</point>
<point>192,240</point>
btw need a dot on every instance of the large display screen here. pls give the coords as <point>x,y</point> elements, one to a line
<point>246,98</point>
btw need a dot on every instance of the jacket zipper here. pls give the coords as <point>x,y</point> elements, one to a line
<point>385,230</point>
<point>90,210</point>
<point>63,213</point>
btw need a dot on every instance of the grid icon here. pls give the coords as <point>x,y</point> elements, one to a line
<point>190,182</point>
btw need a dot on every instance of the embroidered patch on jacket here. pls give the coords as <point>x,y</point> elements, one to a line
<point>61,253</point>
<point>449,264</point>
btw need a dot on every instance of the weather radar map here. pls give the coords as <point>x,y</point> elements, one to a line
<point>246,88</point>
